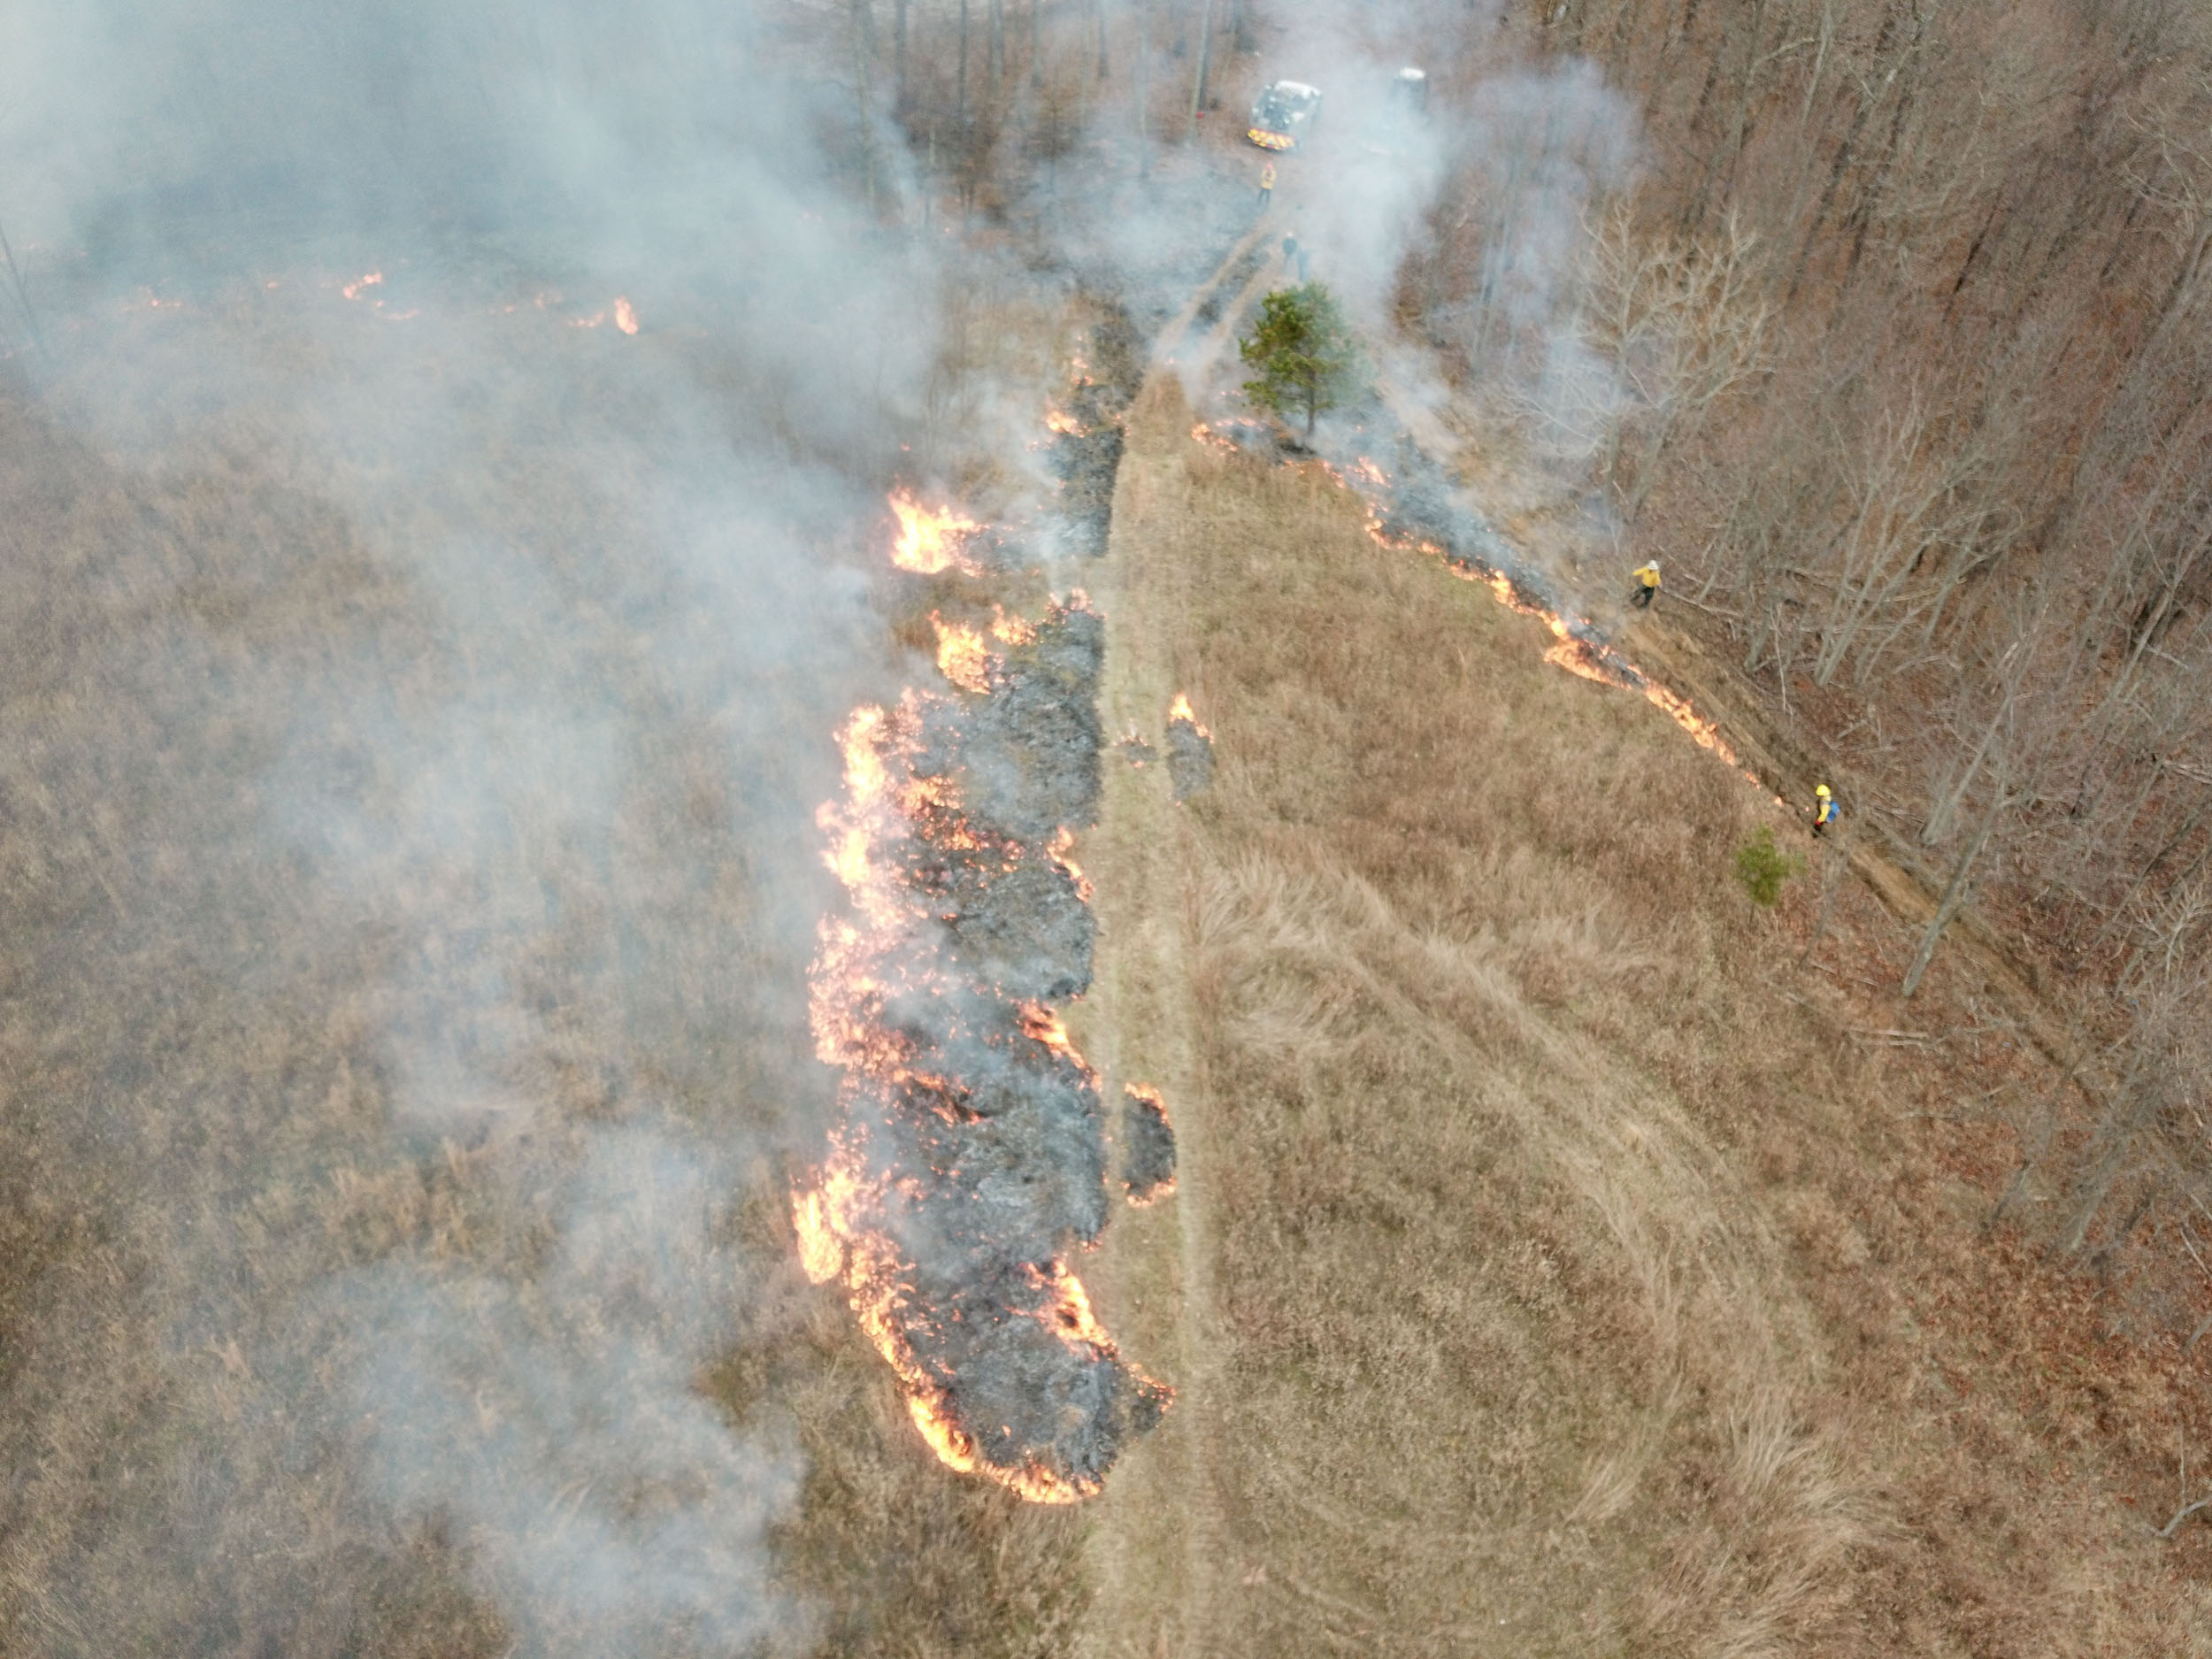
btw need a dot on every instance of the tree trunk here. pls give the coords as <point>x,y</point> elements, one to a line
<point>2125,1121</point>
<point>1098,12</point>
<point>1036,53</point>
<point>997,53</point>
<point>1142,78</point>
<point>1205,52</point>
<point>898,52</point>
<point>1952,901</point>
<point>960,76</point>
<point>864,51</point>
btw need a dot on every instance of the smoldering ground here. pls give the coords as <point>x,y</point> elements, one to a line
<point>418,695</point>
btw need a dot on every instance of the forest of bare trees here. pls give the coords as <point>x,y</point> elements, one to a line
<point>1898,340</point>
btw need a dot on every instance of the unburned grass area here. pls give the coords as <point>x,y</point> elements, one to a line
<point>1556,1255</point>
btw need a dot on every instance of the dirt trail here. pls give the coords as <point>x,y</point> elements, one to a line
<point>1158,1526</point>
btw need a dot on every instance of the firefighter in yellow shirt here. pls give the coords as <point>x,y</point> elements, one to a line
<point>1646,587</point>
<point>1824,810</point>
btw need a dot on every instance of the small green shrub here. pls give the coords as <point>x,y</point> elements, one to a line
<point>1762,867</point>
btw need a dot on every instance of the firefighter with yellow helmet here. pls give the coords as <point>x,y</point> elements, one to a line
<point>1824,810</point>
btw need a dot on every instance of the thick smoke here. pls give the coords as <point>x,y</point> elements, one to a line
<point>449,674</point>
<point>610,1508</point>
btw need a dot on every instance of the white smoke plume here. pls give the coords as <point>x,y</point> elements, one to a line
<point>438,440</point>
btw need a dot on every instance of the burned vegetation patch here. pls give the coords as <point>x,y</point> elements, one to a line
<point>1085,454</point>
<point>1148,1145</point>
<point>1190,753</point>
<point>971,1161</point>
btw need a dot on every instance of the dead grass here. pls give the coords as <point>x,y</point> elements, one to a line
<point>1550,1258</point>
<point>216,677</point>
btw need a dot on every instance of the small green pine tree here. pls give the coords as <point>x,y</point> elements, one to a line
<point>1762,867</point>
<point>1304,354</point>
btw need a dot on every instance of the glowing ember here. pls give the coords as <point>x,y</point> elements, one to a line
<point>962,655</point>
<point>929,542</point>
<point>625,316</point>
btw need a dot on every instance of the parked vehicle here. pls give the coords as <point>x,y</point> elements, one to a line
<point>1284,115</point>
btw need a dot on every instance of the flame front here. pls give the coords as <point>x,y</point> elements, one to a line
<point>1577,646</point>
<point>929,542</point>
<point>625,316</point>
<point>1180,712</point>
<point>962,655</point>
<point>1062,845</point>
<point>849,1218</point>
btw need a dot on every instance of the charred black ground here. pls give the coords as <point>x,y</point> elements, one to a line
<point>1190,758</point>
<point>1148,1145</point>
<point>1086,461</point>
<point>982,1133</point>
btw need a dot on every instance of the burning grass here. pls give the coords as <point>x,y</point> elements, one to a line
<point>1537,1272</point>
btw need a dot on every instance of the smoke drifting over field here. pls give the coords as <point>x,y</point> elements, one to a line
<point>429,619</point>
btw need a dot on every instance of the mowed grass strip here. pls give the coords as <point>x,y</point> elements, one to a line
<point>1496,1353</point>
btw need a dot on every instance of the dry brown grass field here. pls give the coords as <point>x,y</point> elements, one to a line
<point>1563,1262</point>
<point>207,1158</point>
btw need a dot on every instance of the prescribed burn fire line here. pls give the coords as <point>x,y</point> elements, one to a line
<point>970,1157</point>
<point>1578,646</point>
<point>1439,528</point>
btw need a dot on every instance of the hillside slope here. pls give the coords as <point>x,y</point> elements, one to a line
<point>1549,1267</point>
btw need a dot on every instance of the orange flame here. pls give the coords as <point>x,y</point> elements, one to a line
<point>625,316</point>
<point>352,290</point>
<point>962,655</point>
<point>1150,1095</point>
<point>1576,655</point>
<point>1067,1315</point>
<point>835,1241</point>
<point>1044,1024</point>
<point>929,541</point>
<point>1064,423</point>
<point>1153,1098</point>
<point>1181,709</point>
<point>841,1218</point>
<point>1062,844</point>
<point>821,1252</point>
